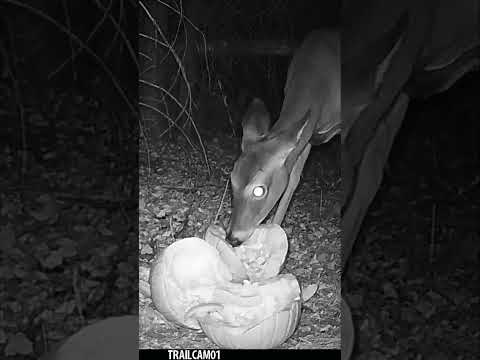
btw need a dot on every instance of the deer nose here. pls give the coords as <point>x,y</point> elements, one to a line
<point>232,239</point>
<point>237,237</point>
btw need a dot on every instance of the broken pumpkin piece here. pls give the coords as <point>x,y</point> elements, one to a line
<point>234,294</point>
<point>266,334</point>
<point>263,254</point>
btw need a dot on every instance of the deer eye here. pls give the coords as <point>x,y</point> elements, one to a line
<point>259,191</point>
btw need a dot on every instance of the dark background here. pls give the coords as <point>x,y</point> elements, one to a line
<point>69,184</point>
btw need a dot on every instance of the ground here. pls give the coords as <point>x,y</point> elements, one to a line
<point>68,229</point>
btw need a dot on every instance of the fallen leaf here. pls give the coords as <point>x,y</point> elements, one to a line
<point>308,291</point>
<point>54,259</point>
<point>389,290</point>
<point>426,308</point>
<point>46,209</point>
<point>67,307</point>
<point>102,229</point>
<point>18,344</point>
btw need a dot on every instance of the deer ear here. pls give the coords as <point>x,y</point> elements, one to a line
<point>299,133</point>
<point>256,123</point>
<point>295,137</point>
<point>303,132</point>
<point>291,139</point>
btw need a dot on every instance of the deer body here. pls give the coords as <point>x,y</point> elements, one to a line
<point>310,112</point>
<point>319,56</point>
<point>391,51</point>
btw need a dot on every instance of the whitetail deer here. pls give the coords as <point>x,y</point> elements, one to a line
<point>272,159</point>
<point>390,50</point>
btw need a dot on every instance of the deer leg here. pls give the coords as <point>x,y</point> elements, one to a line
<point>370,174</point>
<point>293,181</point>
<point>347,332</point>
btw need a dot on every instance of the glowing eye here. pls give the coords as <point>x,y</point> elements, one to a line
<point>259,191</point>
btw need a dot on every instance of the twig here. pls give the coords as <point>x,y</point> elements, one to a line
<point>432,234</point>
<point>74,54</point>
<point>78,297</point>
<point>44,337</point>
<point>107,11</point>
<point>172,187</point>
<point>321,202</point>
<point>221,201</point>
<point>180,13</point>
<point>225,103</point>
<point>182,72</point>
<point>170,223</point>
<point>174,122</point>
<point>18,100</point>
<point>144,136</point>
<point>70,41</point>
<point>187,85</point>
<point>434,155</point>
<point>132,108</point>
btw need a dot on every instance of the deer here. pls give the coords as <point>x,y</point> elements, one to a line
<point>355,82</point>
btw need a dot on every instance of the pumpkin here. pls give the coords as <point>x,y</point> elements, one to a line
<point>259,315</point>
<point>234,295</point>
<point>184,275</point>
<point>269,333</point>
<point>111,338</point>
